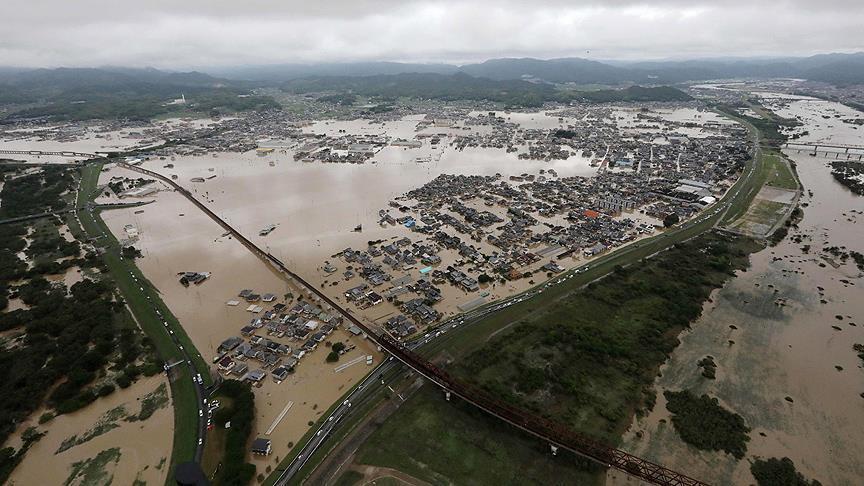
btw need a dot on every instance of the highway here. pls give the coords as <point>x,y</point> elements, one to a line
<point>201,391</point>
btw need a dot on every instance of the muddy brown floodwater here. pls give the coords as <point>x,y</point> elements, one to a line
<point>173,243</point>
<point>314,206</point>
<point>143,446</point>
<point>783,328</point>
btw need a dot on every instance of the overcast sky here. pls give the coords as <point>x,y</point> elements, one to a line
<point>198,33</point>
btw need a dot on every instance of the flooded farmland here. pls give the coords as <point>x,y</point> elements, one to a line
<point>124,438</point>
<point>781,334</point>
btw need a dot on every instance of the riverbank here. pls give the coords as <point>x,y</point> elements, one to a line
<point>124,438</point>
<point>782,335</point>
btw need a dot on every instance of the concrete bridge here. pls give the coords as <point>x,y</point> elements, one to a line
<point>850,151</point>
<point>64,153</point>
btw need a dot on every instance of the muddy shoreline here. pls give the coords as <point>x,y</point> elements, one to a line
<point>781,334</point>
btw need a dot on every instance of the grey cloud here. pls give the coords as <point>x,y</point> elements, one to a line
<point>188,33</point>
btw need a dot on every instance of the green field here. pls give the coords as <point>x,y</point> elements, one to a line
<point>586,358</point>
<point>760,218</point>
<point>778,171</point>
<point>454,443</point>
<point>590,360</point>
<point>135,293</point>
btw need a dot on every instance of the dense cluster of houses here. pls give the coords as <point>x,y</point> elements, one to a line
<point>274,342</point>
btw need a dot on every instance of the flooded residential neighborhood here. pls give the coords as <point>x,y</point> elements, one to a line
<point>443,243</point>
<point>310,214</point>
<point>412,220</point>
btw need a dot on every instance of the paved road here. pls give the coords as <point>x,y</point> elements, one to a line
<point>201,392</point>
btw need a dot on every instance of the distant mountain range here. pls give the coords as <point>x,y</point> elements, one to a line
<point>22,86</point>
<point>832,68</point>
<point>83,93</point>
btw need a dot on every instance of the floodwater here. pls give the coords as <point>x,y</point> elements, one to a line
<point>86,138</point>
<point>172,243</point>
<point>315,207</point>
<point>144,446</point>
<point>783,328</point>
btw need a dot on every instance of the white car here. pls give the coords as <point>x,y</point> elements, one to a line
<point>200,441</point>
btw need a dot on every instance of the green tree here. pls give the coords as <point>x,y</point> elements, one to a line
<point>671,219</point>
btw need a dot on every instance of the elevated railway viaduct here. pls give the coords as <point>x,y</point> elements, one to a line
<point>557,435</point>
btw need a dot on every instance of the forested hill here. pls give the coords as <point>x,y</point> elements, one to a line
<point>461,86</point>
<point>87,93</point>
<point>831,68</point>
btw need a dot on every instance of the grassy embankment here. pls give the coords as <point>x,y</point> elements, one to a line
<point>770,166</point>
<point>779,173</point>
<point>468,338</point>
<point>588,360</point>
<point>348,425</point>
<point>135,294</point>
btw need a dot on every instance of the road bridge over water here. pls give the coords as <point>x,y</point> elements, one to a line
<point>836,149</point>
<point>64,153</point>
<point>557,435</point>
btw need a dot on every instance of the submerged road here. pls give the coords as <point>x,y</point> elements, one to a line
<point>557,435</point>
